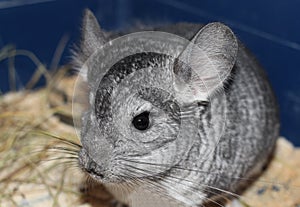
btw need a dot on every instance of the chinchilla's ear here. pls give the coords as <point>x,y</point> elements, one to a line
<point>204,65</point>
<point>92,38</point>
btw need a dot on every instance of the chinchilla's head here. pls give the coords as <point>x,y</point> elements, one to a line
<point>145,105</point>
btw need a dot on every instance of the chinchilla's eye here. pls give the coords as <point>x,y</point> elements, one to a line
<point>141,121</point>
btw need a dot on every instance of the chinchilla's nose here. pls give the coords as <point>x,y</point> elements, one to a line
<point>89,165</point>
<point>93,168</point>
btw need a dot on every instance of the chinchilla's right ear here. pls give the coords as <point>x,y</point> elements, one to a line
<point>206,63</point>
<point>92,38</point>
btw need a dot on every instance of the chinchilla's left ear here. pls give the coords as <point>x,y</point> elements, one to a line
<point>92,35</point>
<point>92,38</point>
<point>205,63</point>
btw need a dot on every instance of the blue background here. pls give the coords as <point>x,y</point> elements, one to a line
<point>271,29</point>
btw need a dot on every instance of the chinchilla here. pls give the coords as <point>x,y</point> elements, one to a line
<point>179,128</point>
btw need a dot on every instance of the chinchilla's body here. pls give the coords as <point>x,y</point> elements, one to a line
<point>150,148</point>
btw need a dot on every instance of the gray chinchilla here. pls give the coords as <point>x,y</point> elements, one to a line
<point>177,129</point>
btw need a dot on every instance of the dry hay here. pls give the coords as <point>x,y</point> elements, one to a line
<point>34,170</point>
<point>38,165</point>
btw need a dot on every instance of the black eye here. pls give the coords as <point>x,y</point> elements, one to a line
<point>141,121</point>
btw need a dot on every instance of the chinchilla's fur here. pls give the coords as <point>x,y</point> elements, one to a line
<point>198,145</point>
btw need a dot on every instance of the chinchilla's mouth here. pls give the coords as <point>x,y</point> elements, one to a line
<point>97,177</point>
<point>94,170</point>
<point>89,166</point>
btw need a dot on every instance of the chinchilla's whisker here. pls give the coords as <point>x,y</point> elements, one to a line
<point>211,187</point>
<point>61,158</point>
<point>169,181</point>
<point>63,151</point>
<point>146,163</point>
<point>222,191</point>
<point>130,180</point>
<point>160,184</point>
<point>52,149</point>
<point>67,163</point>
<point>157,187</point>
<point>163,165</point>
<point>56,150</point>
<point>62,148</point>
<point>125,186</point>
<point>160,188</point>
<point>66,141</point>
<point>170,177</point>
<point>183,168</point>
<point>134,174</point>
<point>71,164</point>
